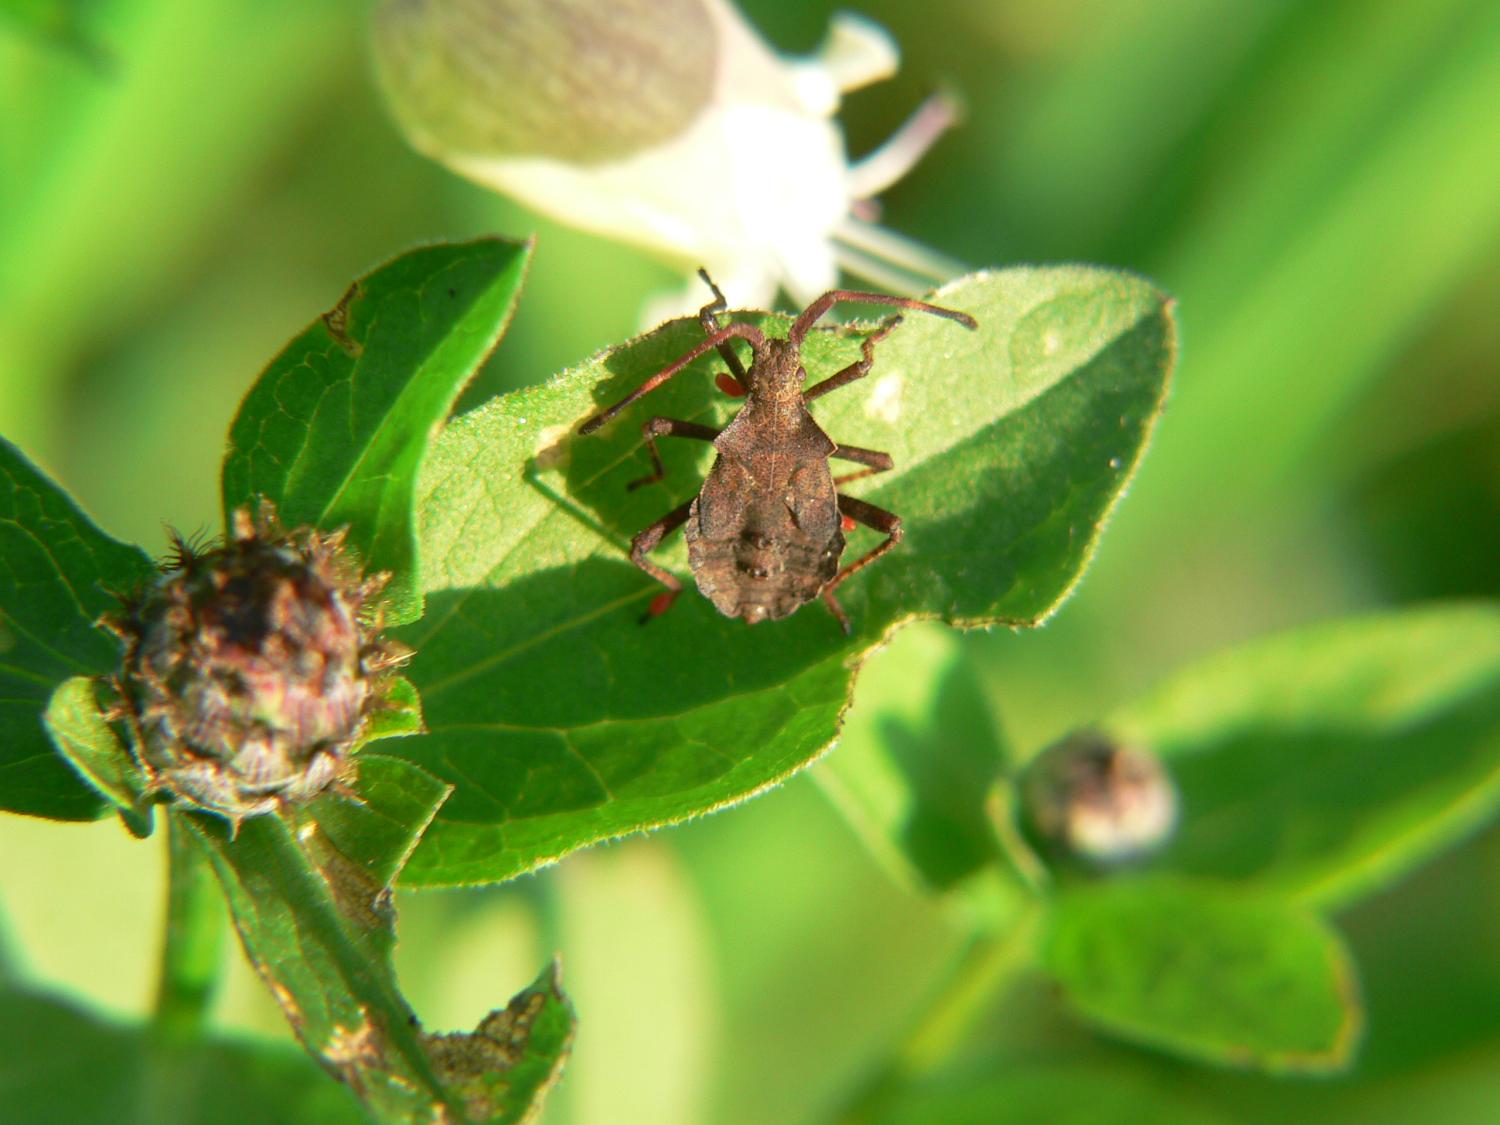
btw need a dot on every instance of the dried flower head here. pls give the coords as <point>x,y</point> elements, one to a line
<point>1094,800</point>
<point>250,668</point>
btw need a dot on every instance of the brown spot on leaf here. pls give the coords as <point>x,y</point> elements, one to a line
<point>475,1066</point>
<point>362,900</point>
<point>336,320</point>
<point>284,998</point>
<point>351,1052</point>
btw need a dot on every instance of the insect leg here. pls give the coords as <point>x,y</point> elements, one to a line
<point>742,331</point>
<point>870,516</point>
<point>667,427</point>
<point>648,539</point>
<point>708,316</point>
<point>809,316</point>
<point>876,461</point>
<point>856,370</point>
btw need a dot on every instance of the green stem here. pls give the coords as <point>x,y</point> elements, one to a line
<point>193,946</point>
<point>987,968</point>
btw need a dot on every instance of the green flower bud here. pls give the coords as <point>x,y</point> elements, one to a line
<point>250,668</point>
<point>1087,798</point>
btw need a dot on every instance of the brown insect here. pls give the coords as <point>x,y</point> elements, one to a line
<point>765,532</point>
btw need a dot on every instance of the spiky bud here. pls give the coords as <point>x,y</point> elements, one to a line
<point>1087,798</point>
<point>250,668</point>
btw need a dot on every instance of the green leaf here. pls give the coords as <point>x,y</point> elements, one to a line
<point>335,429</point>
<point>561,721</point>
<point>1206,971</point>
<point>400,713</point>
<point>917,761</point>
<point>309,890</point>
<point>1328,761</point>
<point>90,744</point>
<point>57,573</point>
<point>77,1067</point>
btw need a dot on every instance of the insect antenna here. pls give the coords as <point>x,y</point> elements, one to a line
<point>810,315</point>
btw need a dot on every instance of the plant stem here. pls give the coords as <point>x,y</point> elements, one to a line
<point>990,963</point>
<point>193,945</point>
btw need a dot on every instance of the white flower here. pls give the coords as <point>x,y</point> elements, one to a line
<point>669,124</point>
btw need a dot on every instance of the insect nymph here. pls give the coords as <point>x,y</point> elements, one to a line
<point>765,532</point>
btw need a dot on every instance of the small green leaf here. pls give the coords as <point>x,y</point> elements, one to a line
<point>560,720</point>
<point>399,713</point>
<point>57,573</point>
<point>1206,971</point>
<point>309,890</point>
<point>90,744</point>
<point>335,429</point>
<point>1329,761</point>
<point>76,1067</point>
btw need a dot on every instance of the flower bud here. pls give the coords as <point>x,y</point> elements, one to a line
<point>669,124</point>
<point>1088,798</point>
<point>249,668</point>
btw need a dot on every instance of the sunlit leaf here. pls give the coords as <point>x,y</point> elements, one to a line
<point>335,428</point>
<point>560,720</point>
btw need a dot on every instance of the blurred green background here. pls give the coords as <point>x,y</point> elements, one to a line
<point>184,184</point>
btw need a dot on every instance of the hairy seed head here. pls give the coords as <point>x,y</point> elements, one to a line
<point>250,667</point>
<point>1089,799</point>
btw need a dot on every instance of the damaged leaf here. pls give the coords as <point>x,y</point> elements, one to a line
<point>309,890</point>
